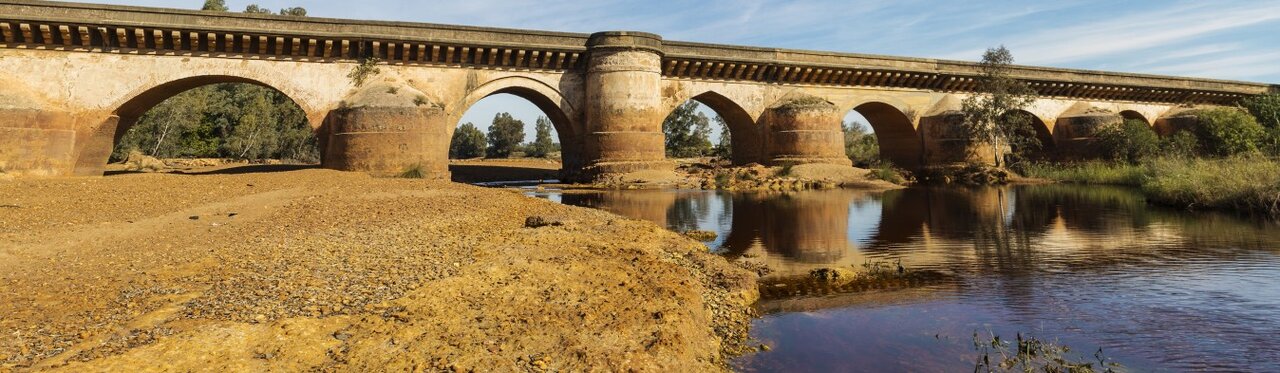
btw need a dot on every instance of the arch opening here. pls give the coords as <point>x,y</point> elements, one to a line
<point>1134,115</point>
<point>518,124</point>
<point>876,131</point>
<point>712,125</point>
<point>1033,140</point>
<point>223,118</point>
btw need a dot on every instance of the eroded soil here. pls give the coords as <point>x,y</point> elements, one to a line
<point>318,269</point>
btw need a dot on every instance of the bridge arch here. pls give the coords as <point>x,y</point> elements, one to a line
<point>1042,132</point>
<point>1134,115</point>
<point>560,110</point>
<point>746,136</point>
<point>895,131</point>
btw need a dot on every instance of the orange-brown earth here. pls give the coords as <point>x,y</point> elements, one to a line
<point>324,270</point>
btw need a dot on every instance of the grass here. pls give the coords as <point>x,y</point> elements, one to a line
<point>1029,354</point>
<point>1243,183</point>
<point>885,171</point>
<point>414,171</point>
<point>1093,172</point>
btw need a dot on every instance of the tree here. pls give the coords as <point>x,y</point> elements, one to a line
<point>294,11</point>
<point>724,148</point>
<point>1227,131</point>
<point>688,132</point>
<point>215,5</point>
<point>542,144</point>
<point>505,136</point>
<point>1129,141</point>
<point>985,120</point>
<point>1265,108</point>
<point>860,145</point>
<point>255,9</point>
<point>468,142</point>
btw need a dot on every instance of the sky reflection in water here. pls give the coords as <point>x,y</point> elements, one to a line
<point>1091,267</point>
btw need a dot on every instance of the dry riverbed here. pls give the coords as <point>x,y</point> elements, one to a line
<point>323,270</point>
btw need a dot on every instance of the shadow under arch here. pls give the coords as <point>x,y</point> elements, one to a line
<point>899,141</point>
<point>1134,115</point>
<point>746,138</point>
<point>546,98</point>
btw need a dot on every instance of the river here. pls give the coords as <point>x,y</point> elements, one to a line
<point>1089,267</point>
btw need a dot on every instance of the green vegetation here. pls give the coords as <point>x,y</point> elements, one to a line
<point>414,171</point>
<point>1264,108</point>
<point>215,5</point>
<point>468,142</point>
<point>1226,132</point>
<point>860,145</point>
<point>723,148</point>
<point>505,136</point>
<point>987,118</point>
<point>1092,172</point>
<point>367,68</point>
<point>885,171</point>
<point>542,145</point>
<point>239,121</point>
<point>1131,141</point>
<point>1244,183</point>
<point>687,132</point>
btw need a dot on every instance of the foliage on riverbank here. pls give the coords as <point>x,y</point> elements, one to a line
<point>1243,183</point>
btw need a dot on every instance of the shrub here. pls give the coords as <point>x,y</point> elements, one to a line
<point>1225,132</point>
<point>1131,141</point>
<point>367,68</point>
<point>413,171</point>
<point>885,171</point>
<point>1181,144</point>
<point>1265,109</point>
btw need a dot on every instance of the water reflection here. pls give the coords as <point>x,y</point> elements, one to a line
<point>1094,267</point>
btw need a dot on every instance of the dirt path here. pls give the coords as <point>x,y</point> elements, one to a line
<point>318,269</point>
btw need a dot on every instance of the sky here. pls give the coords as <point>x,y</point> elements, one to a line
<point>1220,39</point>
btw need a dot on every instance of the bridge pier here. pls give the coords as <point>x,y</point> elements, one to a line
<point>385,133</point>
<point>624,104</point>
<point>37,142</point>
<point>804,130</point>
<point>1075,136</point>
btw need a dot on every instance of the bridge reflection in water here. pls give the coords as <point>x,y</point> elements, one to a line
<point>1093,267</point>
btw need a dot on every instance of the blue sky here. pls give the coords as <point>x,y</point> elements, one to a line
<point>1221,39</point>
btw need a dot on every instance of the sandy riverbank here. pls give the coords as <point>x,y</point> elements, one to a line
<point>317,269</point>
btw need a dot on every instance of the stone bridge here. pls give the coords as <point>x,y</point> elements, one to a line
<point>77,76</point>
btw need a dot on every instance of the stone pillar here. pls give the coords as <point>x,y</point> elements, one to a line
<point>804,130</point>
<point>945,143</point>
<point>94,144</point>
<point>624,104</point>
<point>36,142</point>
<point>387,136</point>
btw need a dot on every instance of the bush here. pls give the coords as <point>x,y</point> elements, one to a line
<point>1181,144</point>
<point>1226,132</point>
<point>1265,109</point>
<point>860,146</point>
<point>413,171</point>
<point>1131,141</point>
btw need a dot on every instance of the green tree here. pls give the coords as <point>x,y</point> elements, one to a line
<point>860,145</point>
<point>505,136</point>
<point>1130,141</point>
<point>468,142</point>
<point>1227,131</point>
<point>985,120</point>
<point>723,148</point>
<point>255,9</point>
<point>294,11</point>
<point>687,132</point>
<point>542,144</point>
<point>215,5</point>
<point>1265,109</point>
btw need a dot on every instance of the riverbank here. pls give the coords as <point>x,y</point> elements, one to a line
<point>1247,184</point>
<point>318,269</point>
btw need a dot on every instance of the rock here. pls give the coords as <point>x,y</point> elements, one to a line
<point>538,221</point>
<point>700,235</point>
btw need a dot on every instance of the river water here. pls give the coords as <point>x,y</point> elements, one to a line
<point>1089,267</point>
